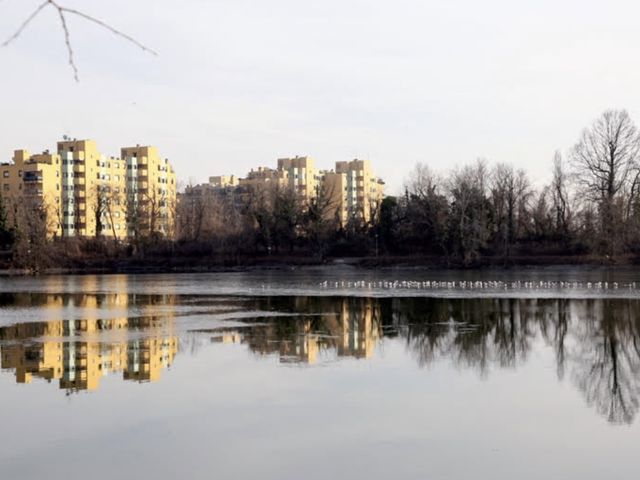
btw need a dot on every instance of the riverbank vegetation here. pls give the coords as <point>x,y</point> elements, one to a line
<point>482,213</point>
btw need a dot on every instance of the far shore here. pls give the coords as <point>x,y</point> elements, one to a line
<point>154,265</point>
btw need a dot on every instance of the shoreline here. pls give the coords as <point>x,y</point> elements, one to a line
<point>212,265</point>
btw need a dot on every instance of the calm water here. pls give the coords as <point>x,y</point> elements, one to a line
<point>321,374</point>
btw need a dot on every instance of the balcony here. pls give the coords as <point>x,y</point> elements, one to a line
<point>32,177</point>
<point>79,168</point>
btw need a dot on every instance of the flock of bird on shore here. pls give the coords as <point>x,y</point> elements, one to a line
<point>474,285</point>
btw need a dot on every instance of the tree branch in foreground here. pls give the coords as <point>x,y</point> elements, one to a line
<point>62,14</point>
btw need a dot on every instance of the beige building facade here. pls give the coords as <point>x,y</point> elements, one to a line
<point>151,191</point>
<point>82,192</point>
<point>352,191</point>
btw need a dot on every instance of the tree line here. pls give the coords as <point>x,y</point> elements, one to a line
<point>590,205</point>
<point>590,208</point>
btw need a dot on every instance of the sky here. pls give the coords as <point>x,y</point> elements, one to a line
<point>239,83</point>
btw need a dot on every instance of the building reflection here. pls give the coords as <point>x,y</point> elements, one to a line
<point>595,342</point>
<point>345,327</point>
<point>78,353</point>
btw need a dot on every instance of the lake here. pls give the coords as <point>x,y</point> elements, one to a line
<point>322,373</point>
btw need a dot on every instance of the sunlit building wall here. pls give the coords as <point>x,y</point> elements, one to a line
<point>82,192</point>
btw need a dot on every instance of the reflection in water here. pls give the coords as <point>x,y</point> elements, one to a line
<point>78,353</point>
<point>595,342</point>
<point>350,327</point>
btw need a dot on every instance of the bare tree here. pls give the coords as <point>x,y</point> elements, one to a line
<point>560,197</point>
<point>322,218</point>
<point>510,194</point>
<point>427,209</point>
<point>469,227</point>
<point>604,160</point>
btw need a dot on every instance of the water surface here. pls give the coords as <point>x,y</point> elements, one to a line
<point>279,375</point>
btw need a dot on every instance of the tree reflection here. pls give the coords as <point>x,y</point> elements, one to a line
<point>596,341</point>
<point>607,358</point>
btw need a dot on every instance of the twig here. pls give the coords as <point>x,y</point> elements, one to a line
<point>63,22</point>
<point>110,28</point>
<point>67,42</point>
<point>24,25</point>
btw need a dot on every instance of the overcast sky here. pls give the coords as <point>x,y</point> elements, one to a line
<point>239,83</point>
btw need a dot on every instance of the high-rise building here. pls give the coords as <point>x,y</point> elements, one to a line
<point>93,188</point>
<point>31,184</point>
<point>300,175</point>
<point>80,192</point>
<point>351,191</point>
<point>356,192</point>
<point>151,191</point>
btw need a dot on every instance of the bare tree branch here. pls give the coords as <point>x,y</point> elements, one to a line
<point>110,28</point>
<point>26,23</point>
<point>67,42</point>
<point>62,12</point>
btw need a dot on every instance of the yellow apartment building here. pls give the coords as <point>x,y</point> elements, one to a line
<point>263,177</point>
<point>151,191</point>
<point>81,192</point>
<point>354,191</point>
<point>93,190</point>
<point>224,181</point>
<point>300,175</point>
<point>32,183</point>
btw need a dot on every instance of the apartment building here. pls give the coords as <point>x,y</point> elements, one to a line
<point>356,192</point>
<point>224,181</point>
<point>151,191</point>
<point>82,192</point>
<point>30,184</point>
<point>263,177</point>
<point>351,190</point>
<point>93,188</point>
<point>300,175</point>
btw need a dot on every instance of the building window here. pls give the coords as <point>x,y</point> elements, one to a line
<point>5,174</point>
